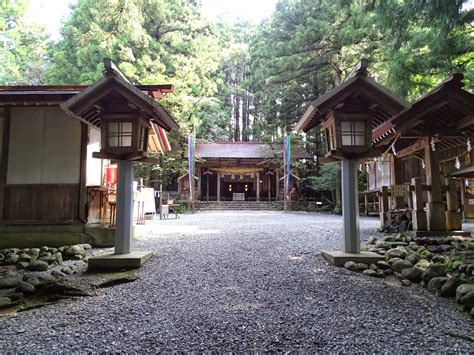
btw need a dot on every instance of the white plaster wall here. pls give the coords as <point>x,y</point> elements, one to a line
<point>45,147</point>
<point>94,166</point>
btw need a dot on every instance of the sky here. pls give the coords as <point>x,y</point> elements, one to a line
<point>50,13</point>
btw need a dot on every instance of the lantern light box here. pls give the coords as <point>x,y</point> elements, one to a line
<point>347,134</point>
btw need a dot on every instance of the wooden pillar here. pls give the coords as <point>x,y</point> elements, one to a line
<point>269,187</point>
<point>277,184</point>
<point>4,159</point>
<point>463,198</point>
<point>396,179</point>
<point>218,186</point>
<point>366,204</point>
<point>350,207</point>
<point>207,187</point>
<point>436,218</point>
<point>199,175</point>
<point>83,173</point>
<point>383,205</point>
<point>453,215</point>
<point>418,214</point>
<point>258,186</point>
<point>123,228</point>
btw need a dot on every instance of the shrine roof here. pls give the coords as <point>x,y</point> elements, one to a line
<point>246,150</point>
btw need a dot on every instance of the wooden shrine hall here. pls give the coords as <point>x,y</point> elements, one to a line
<point>426,171</point>
<point>238,171</point>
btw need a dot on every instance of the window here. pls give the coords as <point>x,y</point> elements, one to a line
<point>353,133</point>
<point>119,134</point>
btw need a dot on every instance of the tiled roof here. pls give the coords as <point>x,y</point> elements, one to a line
<point>246,150</point>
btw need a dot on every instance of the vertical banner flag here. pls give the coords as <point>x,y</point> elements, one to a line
<point>191,165</point>
<point>287,165</point>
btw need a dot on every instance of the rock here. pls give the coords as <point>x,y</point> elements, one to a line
<point>397,244</point>
<point>435,284</point>
<point>389,238</point>
<point>43,254</point>
<point>394,260</point>
<point>88,246</point>
<point>34,252</point>
<point>350,265</point>
<point>59,258</point>
<point>406,282</point>
<point>470,269</point>
<point>396,253</point>
<point>413,258</point>
<point>388,272</point>
<point>400,265</point>
<point>53,250</point>
<point>449,288</point>
<point>68,270</point>
<point>39,280</point>
<point>370,272</point>
<point>25,287</point>
<point>463,289</point>
<point>413,274</point>
<point>434,270</point>
<point>58,274</point>
<point>381,245</point>
<point>11,259</point>
<point>423,264</point>
<point>38,265</point>
<point>76,257</point>
<point>467,300</point>
<point>22,265</point>
<point>15,296</point>
<point>438,259</point>
<point>456,264</point>
<point>361,266</point>
<point>2,257</point>
<point>9,282</point>
<point>373,267</point>
<point>382,264</point>
<point>25,257</point>
<point>44,248</point>
<point>5,301</point>
<point>48,259</point>
<point>444,248</point>
<point>74,250</point>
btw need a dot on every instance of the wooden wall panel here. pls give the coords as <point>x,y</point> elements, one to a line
<point>42,203</point>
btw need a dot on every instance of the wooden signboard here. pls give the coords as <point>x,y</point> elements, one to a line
<point>399,191</point>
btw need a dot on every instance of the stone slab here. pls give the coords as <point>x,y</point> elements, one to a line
<point>439,233</point>
<point>339,258</point>
<point>113,261</point>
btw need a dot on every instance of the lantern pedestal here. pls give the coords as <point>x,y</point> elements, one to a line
<point>350,214</point>
<point>123,257</point>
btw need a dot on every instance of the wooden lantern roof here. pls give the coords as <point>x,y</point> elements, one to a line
<point>88,104</point>
<point>383,103</point>
<point>446,114</point>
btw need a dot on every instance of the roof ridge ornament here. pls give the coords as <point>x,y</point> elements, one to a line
<point>359,69</point>
<point>112,69</point>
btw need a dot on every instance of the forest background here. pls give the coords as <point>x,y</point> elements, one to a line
<point>238,80</point>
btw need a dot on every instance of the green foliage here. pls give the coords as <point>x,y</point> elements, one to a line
<point>22,46</point>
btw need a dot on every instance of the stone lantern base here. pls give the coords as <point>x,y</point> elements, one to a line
<point>113,261</point>
<point>339,258</point>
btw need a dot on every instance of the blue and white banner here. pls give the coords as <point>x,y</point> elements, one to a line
<point>286,143</point>
<point>191,165</point>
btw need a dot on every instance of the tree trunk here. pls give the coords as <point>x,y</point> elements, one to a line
<point>237,118</point>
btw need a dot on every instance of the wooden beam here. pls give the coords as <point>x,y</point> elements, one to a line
<point>418,145</point>
<point>83,173</point>
<point>4,161</point>
<point>465,122</point>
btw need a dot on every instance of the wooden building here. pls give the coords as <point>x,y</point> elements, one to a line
<point>426,145</point>
<point>250,171</point>
<point>48,176</point>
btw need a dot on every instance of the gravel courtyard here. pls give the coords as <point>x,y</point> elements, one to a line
<point>245,281</point>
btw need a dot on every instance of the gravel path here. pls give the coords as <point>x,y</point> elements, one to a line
<point>245,281</point>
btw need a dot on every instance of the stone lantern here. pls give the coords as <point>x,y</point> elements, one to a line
<point>348,114</point>
<point>124,114</point>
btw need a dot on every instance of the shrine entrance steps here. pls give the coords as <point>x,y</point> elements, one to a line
<point>239,205</point>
